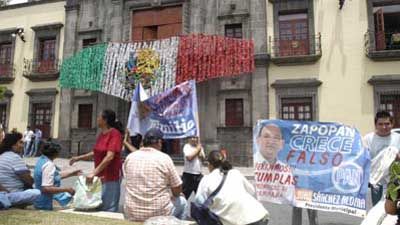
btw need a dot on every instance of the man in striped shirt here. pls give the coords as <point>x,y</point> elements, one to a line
<point>15,178</point>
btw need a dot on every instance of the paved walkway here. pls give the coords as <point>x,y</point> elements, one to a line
<point>87,166</point>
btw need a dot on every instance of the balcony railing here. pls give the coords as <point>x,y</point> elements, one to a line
<point>40,70</point>
<point>7,71</point>
<point>382,45</point>
<point>382,41</point>
<point>295,45</point>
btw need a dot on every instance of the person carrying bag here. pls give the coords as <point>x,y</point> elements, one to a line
<point>201,212</point>
<point>224,196</point>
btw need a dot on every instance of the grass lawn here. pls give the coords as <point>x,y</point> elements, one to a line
<point>33,217</point>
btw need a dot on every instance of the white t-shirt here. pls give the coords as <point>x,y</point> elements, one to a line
<point>28,135</point>
<point>193,166</point>
<point>376,143</point>
<point>234,204</point>
<point>48,170</point>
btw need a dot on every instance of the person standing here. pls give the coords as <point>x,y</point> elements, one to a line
<point>151,178</point>
<point>27,137</point>
<point>193,154</point>
<point>36,142</point>
<point>378,140</point>
<point>2,132</point>
<point>107,159</point>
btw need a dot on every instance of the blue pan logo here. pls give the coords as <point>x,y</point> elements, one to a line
<point>347,177</point>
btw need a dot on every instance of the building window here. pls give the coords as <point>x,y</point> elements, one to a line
<point>41,117</point>
<point>234,112</point>
<point>387,26</point>
<point>88,42</point>
<point>85,115</point>
<point>46,56</point>
<point>47,49</point>
<point>293,34</point>
<point>5,59</point>
<point>3,114</point>
<point>296,109</point>
<point>391,103</point>
<point>233,30</point>
<point>156,23</point>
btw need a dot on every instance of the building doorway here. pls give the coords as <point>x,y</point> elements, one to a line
<point>41,118</point>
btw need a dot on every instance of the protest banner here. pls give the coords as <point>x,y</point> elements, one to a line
<point>174,111</point>
<point>314,165</point>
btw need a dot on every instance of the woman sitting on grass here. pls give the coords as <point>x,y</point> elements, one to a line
<point>15,178</point>
<point>48,179</point>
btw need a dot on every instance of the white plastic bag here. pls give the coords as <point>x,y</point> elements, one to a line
<point>166,220</point>
<point>87,197</point>
<point>380,165</point>
<point>378,216</point>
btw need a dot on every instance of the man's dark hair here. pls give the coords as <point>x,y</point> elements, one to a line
<point>383,115</point>
<point>9,140</point>
<point>152,137</point>
<point>265,125</point>
<point>50,148</point>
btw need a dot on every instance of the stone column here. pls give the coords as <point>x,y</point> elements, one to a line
<point>66,103</point>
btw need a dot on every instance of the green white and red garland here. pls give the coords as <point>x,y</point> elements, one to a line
<point>116,68</point>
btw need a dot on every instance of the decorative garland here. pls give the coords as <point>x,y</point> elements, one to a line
<point>116,68</point>
<point>142,68</point>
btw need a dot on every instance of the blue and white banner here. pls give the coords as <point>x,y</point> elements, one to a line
<point>173,111</point>
<point>314,165</point>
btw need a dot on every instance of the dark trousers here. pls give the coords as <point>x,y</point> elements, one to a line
<point>376,194</point>
<point>297,216</point>
<point>190,183</point>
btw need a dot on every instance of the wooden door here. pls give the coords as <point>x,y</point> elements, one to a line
<point>41,118</point>
<point>380,30</point>
<point>293,35</point>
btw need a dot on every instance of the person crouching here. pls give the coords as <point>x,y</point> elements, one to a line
<point>48,178</point>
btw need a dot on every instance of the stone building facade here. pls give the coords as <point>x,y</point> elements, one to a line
<point>228,108</point>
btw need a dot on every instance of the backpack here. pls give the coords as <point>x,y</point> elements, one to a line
<point>201,212</point>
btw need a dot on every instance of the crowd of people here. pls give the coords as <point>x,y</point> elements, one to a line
<point>153,186</point>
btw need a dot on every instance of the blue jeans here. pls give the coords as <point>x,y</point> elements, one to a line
<point>27,148</point>
<point>35,148</point>
<point>26,197</point>
<point>180,209</point>
<point>110,196</point>
<point>376,194</point>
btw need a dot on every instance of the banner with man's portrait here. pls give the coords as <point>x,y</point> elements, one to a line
<point>314,165</point>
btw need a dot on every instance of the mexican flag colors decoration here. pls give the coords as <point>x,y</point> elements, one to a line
<point>116,68</point>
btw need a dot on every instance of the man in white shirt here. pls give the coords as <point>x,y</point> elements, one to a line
<point>378,140</point>
<point>27,137</point>
<point>36,142</point>
<point>193,153</point>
